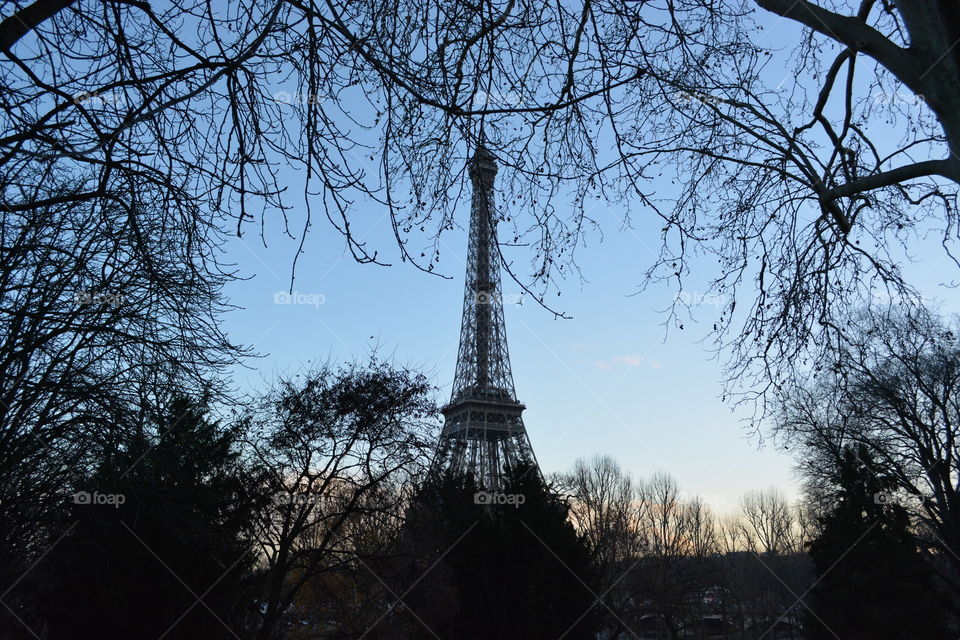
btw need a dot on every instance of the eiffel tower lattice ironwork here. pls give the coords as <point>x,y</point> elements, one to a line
<point>483,433</point>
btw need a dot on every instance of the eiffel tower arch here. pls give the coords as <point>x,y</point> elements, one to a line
<point>483,433</point>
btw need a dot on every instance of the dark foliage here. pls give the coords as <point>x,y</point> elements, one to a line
<point>873,583</point>
<point>495,570</point>
<point>167,557</point>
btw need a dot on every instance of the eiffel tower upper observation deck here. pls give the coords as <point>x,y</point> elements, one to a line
<point>483,433</point>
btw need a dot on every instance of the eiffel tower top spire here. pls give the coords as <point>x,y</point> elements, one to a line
<point>483,432</point>
<point>483,363</point>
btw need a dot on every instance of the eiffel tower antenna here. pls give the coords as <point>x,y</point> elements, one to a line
<point>483,433</point>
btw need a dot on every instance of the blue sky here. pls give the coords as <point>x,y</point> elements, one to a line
<point>605,381</point>
<point>610,380</point>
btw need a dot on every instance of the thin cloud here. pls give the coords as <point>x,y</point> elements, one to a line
<point>630,360</point>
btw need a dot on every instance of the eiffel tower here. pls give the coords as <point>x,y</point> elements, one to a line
<point>483,434</point>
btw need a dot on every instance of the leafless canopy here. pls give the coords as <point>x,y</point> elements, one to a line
<point>196,106</point>
<point>895,390</point>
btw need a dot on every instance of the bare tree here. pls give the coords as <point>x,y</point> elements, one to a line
<point>767,523</point>
<point>778,178</point>
<point>328,453</point>
<point>671,576</point>
<point>704,537</point>
<point>736,573</point>
<point>686,571</point>
<point>895,387</point>
<point>606,510</point>
<point>764,569</point>
<point>100,314</point>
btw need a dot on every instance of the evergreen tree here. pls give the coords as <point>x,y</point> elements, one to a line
<point>157,548</point>
<point>873,583</point>
<point>485,569</point>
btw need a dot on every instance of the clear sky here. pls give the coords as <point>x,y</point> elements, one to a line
<point>605,381</point>
<point>610,380</point>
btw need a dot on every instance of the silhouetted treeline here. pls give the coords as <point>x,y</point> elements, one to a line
<point>138,498</point>
<point>309,513</point>
<point>182,525</point>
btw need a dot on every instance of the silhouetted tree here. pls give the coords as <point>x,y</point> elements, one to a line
<point>331,454</point>
<point>607,514</point>
<point>872,582</point>
<point>157,547</point>
<point>893,386</point>
<point>100,309</point>
<point>680,539</point>
<point>494,570</point>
